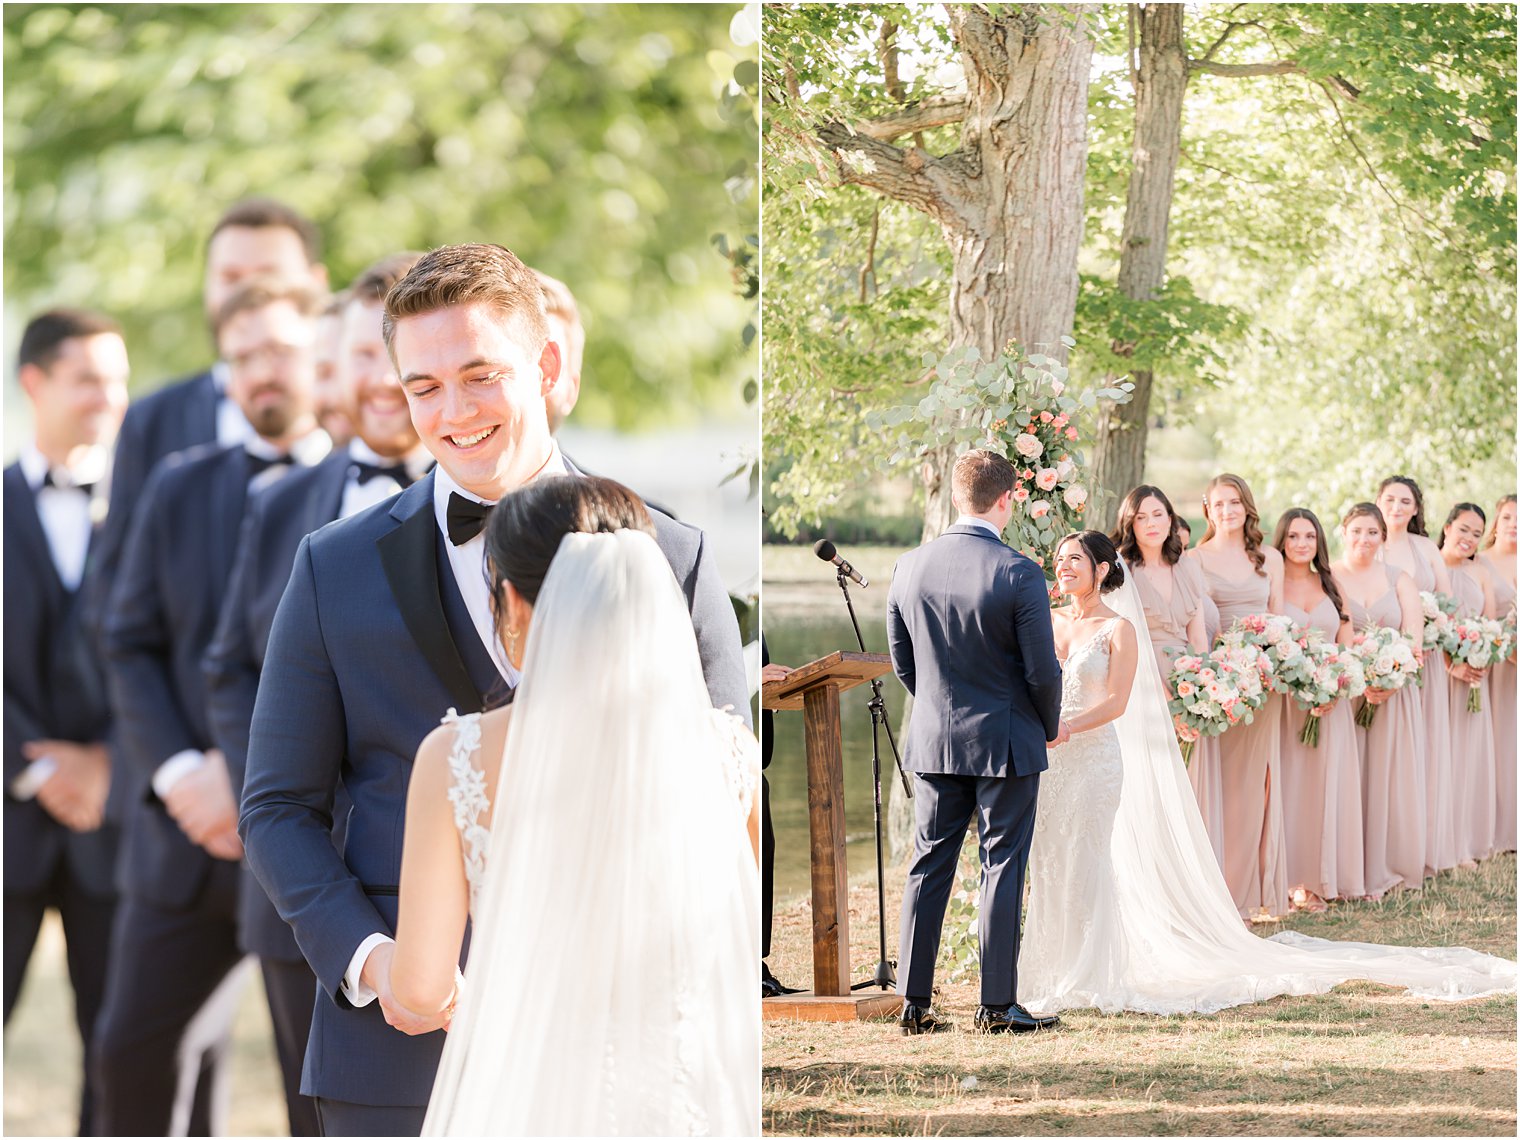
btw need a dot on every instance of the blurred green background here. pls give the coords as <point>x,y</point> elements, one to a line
<point>606,145</point>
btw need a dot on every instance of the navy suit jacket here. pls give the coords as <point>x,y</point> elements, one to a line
<point>277,519</point>
<point>361,665</point>
<point>54,690</point>
<point>179,415</point>
<point>968,623</point>
<point>165,601</point>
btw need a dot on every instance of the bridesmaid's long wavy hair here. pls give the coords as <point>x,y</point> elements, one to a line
<point>1493,531</point>
<point>1124,529</point>
<point>1251,531</point>
<point>1416,524</point>
<point>1321,560</point>
<point>1451,517</point>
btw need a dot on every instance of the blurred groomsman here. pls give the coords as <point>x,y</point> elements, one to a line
<point>176,931</point>
<point>330,399</point>
<point>256,237</point>
<point>59,851</point>
<point>384,457</point>
<point>569,336</point>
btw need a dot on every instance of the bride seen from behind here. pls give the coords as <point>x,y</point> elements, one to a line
<point>613,892</point>
<point>1128,909</point>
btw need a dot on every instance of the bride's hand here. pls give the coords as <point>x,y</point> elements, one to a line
<point>377,975</point>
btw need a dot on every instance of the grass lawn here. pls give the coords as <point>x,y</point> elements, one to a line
<point>1361,1060</point>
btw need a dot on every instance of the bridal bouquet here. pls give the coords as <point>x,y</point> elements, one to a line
<point>1323,673</point>
<point>1277,643</point>
<point>1213,692</point>
<point>1479,642</point>
<point>1440,621</point>
<point>1388,662</point>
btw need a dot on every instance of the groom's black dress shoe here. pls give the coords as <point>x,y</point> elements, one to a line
<point>920,1019</point>
<point>770,986</point>
<point>1014,1019</point>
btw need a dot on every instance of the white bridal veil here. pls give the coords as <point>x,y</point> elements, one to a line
<point>1186,947</point>
<point>611,980</point>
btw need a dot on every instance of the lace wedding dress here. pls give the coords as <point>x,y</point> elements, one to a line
<point>1128,909</point>
<point>614,896</point>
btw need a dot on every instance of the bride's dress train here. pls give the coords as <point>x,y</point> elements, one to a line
<point>1128,909</point>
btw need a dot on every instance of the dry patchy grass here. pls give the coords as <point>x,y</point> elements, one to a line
<point>1361,1060</point>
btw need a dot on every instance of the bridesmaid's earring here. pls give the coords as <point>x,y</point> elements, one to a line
<point>513,633</point>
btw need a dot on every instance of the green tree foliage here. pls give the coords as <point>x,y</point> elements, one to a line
<point>1340,295</point>
<point>606,145</point>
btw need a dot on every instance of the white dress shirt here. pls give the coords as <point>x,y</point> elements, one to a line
<point>972,520</point>
<point>231,425</point>
<point>64,510</point>
<point>468,562</point>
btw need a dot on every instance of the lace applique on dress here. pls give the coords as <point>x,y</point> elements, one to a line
<point>740,759</point>
<point>467,794</point>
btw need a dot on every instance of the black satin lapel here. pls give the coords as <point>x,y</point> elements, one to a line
<point>21,504</point>
<point>411,568</point>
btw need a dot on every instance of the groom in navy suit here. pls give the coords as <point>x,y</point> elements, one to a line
<point>968,621</point>
<point>386,623</point>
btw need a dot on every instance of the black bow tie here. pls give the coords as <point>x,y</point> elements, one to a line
<point>49,481</point>
<point>466,518</point>
<point>396,471</point>
<point>258,464</point>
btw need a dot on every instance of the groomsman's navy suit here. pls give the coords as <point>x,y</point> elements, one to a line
<point>177,927</point>
<point>372,643</point>
<point>179,415</point>
<point>968,621</point>
<point>277,520</point>
<point>54,690</point>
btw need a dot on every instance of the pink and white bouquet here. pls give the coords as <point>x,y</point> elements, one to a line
<point>1325,672</point>
<point>1388,662</point>
<point>1276,641</point>
<point>1440,611</point>
<point>1479,642</point>
<point>1212,692</point>
<point>1506,650</point>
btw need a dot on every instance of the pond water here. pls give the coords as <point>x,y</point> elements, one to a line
<point>812,621</point>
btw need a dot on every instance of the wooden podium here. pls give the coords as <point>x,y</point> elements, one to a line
<point>814,688</point>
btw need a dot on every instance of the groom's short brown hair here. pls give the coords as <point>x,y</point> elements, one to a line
<point>979,480</point>
<point>473,274</point>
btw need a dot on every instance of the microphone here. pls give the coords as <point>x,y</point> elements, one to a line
<point>825,550</point>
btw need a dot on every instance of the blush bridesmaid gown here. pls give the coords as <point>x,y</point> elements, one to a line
<point>1394,798</point>
<point>1435,700</point>
<point>1501,700</point>
<point>1472,743</point>
<point>1251,778</point>
<point>1322,788</point>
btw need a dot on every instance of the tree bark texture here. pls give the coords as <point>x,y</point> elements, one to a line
<point>1119,454</point>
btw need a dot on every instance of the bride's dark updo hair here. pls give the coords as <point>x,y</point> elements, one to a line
<point>1099,548</point>
<point>526,527</point>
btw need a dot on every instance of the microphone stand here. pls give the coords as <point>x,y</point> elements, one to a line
<point>885,977</point>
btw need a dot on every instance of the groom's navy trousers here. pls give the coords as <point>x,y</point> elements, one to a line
<point>968,623</point>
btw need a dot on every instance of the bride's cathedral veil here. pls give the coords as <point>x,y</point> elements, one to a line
<point>611,978</point>
<point>1186,949</point>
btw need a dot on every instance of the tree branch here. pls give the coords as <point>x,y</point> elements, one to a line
<point>1242,70</point>
<point>939,111</point>
<point>932,185</point>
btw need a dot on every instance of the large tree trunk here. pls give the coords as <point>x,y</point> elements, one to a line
<point>1119,456</point>
<point>1024,140</point>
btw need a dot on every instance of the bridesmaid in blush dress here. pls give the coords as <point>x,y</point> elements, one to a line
<point>1499,555</point>
<point>1321,785</point>
<point>1244,578</point>
<point>1394,843</point>
<point>1472,734</point>
<point>1407,548</point>
<point>1148,538</point>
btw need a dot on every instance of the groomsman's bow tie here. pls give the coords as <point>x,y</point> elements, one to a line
<point>258,464</point>
<point>466,518</point>
<point>65,484</point>
<point>396,471</point>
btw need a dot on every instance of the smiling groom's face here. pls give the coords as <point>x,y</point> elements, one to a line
<point>476,392</point>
